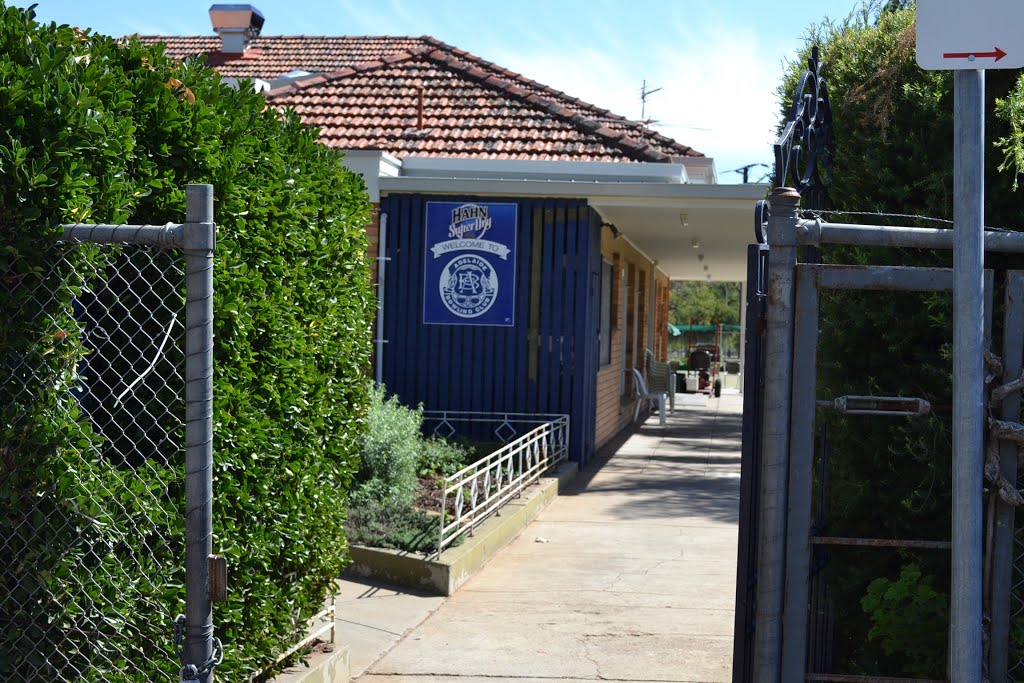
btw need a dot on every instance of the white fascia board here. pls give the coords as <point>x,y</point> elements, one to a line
<point>372,165</point>
<point>575,171</point>
<point>608,194</point>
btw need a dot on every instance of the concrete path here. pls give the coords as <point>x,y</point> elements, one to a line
<point>628,577</point>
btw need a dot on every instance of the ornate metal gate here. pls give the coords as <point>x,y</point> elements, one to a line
<point>804,153</point>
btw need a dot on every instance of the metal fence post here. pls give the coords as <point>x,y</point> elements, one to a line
<point>743,332</point>
<point>968,377</point>
<point>199,244</point>
<point>782,226</point>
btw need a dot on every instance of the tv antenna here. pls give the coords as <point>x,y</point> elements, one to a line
<point>644,94</point>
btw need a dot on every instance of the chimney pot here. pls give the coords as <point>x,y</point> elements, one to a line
<point>236,25</point>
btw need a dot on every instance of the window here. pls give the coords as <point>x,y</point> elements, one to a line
<point>605,330</point>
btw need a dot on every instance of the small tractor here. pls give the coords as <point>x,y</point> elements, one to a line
<point>702,365</point>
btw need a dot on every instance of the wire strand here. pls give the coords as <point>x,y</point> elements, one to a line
<point>815,213</point>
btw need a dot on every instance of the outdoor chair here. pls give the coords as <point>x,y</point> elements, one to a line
<point>644,396</point>
<point>661,377</point>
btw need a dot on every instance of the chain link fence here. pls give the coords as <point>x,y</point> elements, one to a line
<point>93,419</point>
<point>1016,669</point>
<point>93,469</point>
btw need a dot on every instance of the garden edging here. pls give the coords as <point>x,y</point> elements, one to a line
<point>445,574</point>
<point>320,667</point>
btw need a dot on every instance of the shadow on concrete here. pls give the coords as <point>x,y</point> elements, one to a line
<point>730,423</point>
<point>701,437</point>
<point>365,588</point>
<point>714,498</point>
<point>638,460</point>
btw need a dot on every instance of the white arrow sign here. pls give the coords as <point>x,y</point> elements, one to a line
<point>974,34</point>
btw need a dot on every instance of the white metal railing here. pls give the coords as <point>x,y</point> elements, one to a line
<point>479,490</point>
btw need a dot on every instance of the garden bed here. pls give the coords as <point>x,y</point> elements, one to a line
<point>445,574</point>
<point>391,525</point>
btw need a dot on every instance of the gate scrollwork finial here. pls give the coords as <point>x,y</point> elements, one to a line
<point>803,152</point>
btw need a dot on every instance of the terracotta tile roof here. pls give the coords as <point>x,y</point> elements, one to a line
<point>371,91</point>
<point>271,56</point>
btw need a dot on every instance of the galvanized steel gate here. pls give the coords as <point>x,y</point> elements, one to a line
<point>750,480</point>
<point>783,630</point>
<point>91,553</point>
<point>785,537</point>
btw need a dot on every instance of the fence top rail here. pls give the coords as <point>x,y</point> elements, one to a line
<point>538,433</point>
<point>168,236</point>
<point>817,232</point>
<point>452,485</point>
<point>474,415</point>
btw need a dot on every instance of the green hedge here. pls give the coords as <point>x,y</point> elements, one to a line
<point>94,129</point>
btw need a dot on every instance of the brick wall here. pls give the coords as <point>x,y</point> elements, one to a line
<point>615,408</point>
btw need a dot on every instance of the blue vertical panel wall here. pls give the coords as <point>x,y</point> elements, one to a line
<point>490,369</point>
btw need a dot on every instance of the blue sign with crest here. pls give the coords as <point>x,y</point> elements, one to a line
<point>469,274</point>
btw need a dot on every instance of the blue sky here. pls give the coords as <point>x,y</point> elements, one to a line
<point>717,63</point>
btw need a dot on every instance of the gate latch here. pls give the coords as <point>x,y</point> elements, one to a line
<point>217,586</point>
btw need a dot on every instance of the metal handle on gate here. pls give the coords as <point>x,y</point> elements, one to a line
<point>895,406</point>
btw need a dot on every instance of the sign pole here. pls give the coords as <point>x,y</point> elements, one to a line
<point>968,376</point>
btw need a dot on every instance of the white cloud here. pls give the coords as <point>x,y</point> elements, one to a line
<point>718,86</point>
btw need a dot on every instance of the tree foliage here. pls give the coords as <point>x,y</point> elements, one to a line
<point>1011,110</point>
<point>893,133</point>
<point>94,129</point>
<point>898,609</point>
<point>704,302</point>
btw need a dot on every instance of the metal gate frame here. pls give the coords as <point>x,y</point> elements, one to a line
<point>753,383</point>
<point>200,651</point>
<point>783,455</point>
<point>800,538</point>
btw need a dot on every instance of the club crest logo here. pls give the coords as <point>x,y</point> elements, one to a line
<point>468,286</point>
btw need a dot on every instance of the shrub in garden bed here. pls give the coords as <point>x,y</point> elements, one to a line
<point>396,498</point>
<point>387,524</point>
<point>94,129</point>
